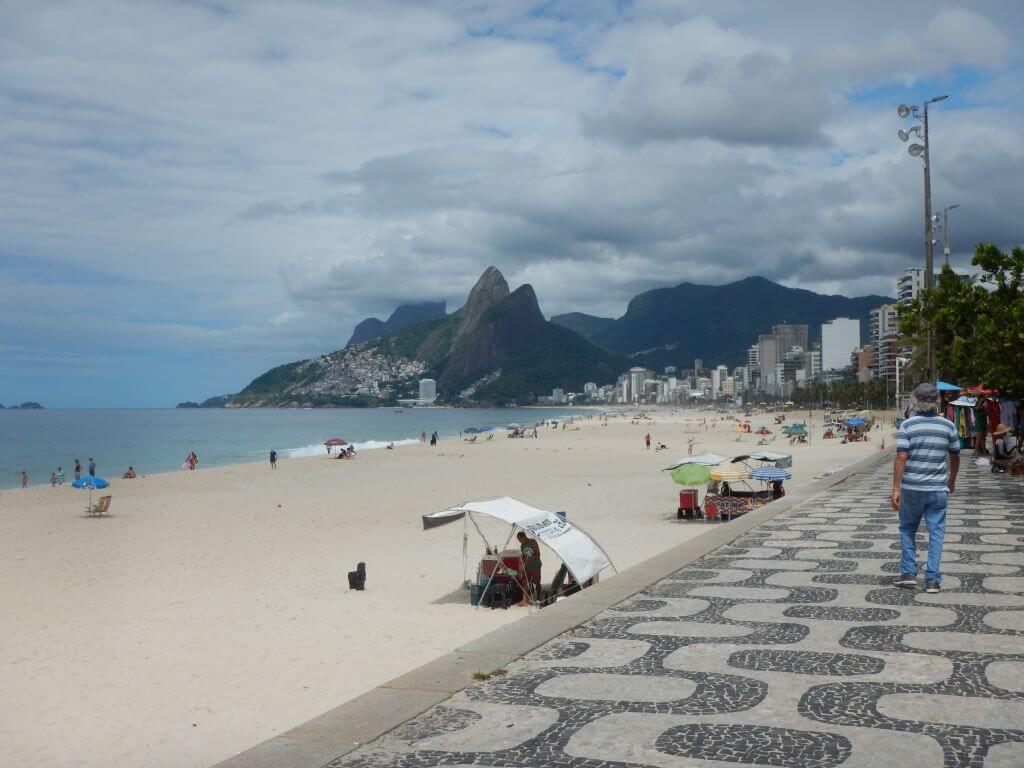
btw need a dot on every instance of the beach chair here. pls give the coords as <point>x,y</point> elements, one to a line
<point>100,508</point>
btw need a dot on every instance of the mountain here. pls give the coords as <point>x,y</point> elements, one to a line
<point>497,348</point>
<point>29,406</point>
<point>405,314</point>
<point>585,325</point>
<point>218,401</point>
<point>719,322</point>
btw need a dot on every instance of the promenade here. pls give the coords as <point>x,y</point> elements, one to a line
<point>785,647</point>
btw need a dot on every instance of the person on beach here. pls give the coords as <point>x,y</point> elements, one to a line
<point>192,461</point>
<point>130,474</point>
<point>24,479</point>
<point>921,484</point>
<point>1002,449</point>
<point>980,427</point>
<point>273,459</point>
<point>530,550</point>
<point>53,479</point>
<point>647,440</point>
<point>78,470</point>
<point>423,436</point>
<point>92,467</point>
<point>60,475</point>
<point>433,438</point>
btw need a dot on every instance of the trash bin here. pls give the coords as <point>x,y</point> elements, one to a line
<point>475,590</point>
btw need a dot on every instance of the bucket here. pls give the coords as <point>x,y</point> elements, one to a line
<point>475,590</point>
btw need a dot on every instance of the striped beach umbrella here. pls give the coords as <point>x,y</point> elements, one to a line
<point>729,473</point>
<point>769,474</point>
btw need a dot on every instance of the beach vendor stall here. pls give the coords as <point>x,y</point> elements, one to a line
<point>502,572</point>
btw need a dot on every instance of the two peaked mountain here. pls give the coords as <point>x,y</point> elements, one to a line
<point>498,348</point>
<point>672,326</point>
<point>406,314</point>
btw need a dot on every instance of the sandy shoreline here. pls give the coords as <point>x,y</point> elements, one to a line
<point>211,611</point>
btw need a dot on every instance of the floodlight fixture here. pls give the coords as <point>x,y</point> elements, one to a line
<point>902,134</point>
<point>902,110</point>
<point>915,150</point>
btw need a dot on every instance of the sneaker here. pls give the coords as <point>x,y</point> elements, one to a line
<point>932,587</point>
<point>907,581</point>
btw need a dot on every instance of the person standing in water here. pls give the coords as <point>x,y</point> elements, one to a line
<point>273,459</point>
<point>78,470</point>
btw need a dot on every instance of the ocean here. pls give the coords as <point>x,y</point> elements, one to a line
<point>158,440</point>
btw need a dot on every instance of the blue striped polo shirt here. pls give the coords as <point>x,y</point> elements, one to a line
<point>926,440</point>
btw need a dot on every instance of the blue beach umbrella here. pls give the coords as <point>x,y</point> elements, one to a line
<point>769,474</point>
<point>486,429</point>
<point>90,483</point>
<point>855,422</point>
<point>470,431</point>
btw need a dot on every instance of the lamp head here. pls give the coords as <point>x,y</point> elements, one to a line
<point>902,110</point>
<point>915,150</point>
<point>938,98</point>
<point>902,134</point>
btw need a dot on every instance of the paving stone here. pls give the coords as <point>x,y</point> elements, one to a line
<point>787,646</point>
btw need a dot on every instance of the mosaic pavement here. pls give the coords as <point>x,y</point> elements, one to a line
<point>786,648</point>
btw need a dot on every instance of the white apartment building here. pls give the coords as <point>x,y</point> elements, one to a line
<point>428,390</point>
<point>839,338</point>
<point>909,284</point>
<point>884,335</point>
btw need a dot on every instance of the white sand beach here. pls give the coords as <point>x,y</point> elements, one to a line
<point>211,611</point>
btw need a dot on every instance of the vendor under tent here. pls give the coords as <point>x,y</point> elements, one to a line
<point>582,557</point>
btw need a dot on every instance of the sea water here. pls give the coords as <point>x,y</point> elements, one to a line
<point>158,440</point>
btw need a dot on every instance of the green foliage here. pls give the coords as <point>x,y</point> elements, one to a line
<point>979,329</point>
<point>278,379</point>
<point>556,358</point>
<point>405,341</point>
<point>846,394</point>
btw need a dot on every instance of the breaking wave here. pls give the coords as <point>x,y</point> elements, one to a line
<point>319,450</point>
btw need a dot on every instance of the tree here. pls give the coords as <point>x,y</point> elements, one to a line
<point>979,328</point>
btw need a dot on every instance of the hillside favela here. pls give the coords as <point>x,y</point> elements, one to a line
<point>566,384</point>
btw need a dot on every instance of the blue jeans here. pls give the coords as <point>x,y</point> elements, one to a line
<point>931,505</point>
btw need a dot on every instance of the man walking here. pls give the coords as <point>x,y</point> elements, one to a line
<point>922,483</point>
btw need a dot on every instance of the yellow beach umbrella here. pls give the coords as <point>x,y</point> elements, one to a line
<point>729,473</point>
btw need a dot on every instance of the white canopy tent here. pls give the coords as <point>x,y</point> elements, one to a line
<point>583,556</point>
<point>704,459</point>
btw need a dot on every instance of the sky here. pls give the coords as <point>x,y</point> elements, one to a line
<point>192,192</point>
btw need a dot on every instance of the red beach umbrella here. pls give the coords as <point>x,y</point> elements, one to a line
<point>334,441</point>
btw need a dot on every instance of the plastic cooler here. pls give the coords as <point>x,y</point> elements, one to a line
<point>688,506</point>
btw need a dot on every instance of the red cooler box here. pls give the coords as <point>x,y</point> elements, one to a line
<point>688,506</point>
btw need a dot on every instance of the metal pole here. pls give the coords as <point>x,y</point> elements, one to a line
<point>929,268</point>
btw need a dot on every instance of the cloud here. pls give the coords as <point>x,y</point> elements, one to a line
<point>243,182</point>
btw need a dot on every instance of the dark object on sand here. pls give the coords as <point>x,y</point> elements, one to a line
<point>357,578</point>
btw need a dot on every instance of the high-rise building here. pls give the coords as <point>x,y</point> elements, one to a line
<point>839,338</point>
<point>637,379</point>
<point>698,366</point>
<point>590,389</point>
<point>791,335</point>
<point>909,284</point>
<point>768,354</point>
<point>428,390</point>
<point>884,335</point>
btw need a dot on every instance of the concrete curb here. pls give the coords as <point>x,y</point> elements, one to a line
<point>374,713</point>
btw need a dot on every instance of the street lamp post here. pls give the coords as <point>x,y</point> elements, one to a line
<point>922,150</point>
<point>899,361</point>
